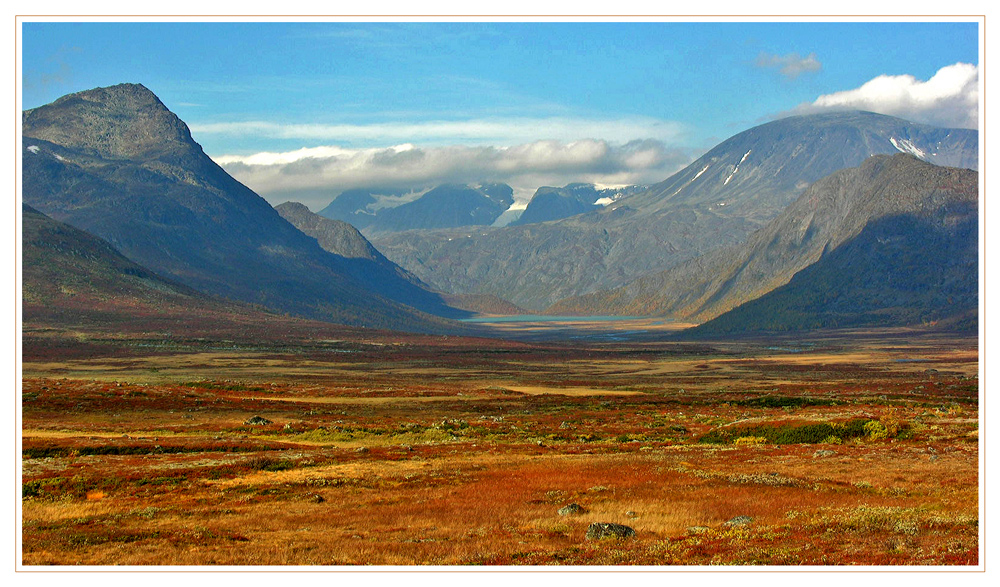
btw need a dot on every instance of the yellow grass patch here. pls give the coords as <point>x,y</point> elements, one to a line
<point>568,391</point>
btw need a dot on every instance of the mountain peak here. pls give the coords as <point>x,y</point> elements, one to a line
<point>125,121</point>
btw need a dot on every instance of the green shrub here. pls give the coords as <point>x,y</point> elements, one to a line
<point>31,489</point>
<point>266,463</point>
<point>876,431</point>
<point>812,433</point>
<point>776,401</point>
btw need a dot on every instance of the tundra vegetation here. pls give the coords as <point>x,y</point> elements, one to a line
<point>844,448</point>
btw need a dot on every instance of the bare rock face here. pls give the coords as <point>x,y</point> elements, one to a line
<point>126,121</point>
<point>601,530</point>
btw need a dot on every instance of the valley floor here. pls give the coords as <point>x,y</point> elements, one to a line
<point>851,448</point>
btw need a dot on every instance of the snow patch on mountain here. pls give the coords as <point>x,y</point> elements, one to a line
<point>690,181</point>
<point>905,146</point>
<point>737,168</point>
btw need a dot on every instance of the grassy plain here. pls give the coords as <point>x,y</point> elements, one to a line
<point>845,448</point>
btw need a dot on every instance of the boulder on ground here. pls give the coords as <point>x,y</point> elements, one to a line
<point>257,421</point>
<point>600,530</point>
<point>571,510</point>
<point>739,521</point>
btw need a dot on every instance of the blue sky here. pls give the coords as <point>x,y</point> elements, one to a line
<point>334,105</point>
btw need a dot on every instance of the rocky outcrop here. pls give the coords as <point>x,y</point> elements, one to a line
<point>602,530</point>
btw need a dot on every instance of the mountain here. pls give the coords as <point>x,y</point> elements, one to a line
<point>893,241</point>
<point>334,236</point>
<point>367,265</point>
<point>760,171</point>
<point>118,164</point>
<point>446,206</point>
<point>906,270</point>
<point>72,279</point>
<point>352,206</point>
<point>79,294</point>
<point>343,239</point>
<point>64,266</point>
<point>719,200</point>
<point>551,203</point>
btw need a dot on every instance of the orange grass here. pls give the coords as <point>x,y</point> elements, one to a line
<point>130,466</point>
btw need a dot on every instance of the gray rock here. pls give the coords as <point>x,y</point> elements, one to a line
<point>823,453</point>
<point>601,530</point>
<point>571,510</point>
<point>739,521</point>
<point>257,421</point>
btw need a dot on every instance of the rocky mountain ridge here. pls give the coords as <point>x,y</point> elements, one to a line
<point>552,203</point>
<point>445,206</point>
<point>717,201</point>
<point>833,211</point>
<point>118,164</point>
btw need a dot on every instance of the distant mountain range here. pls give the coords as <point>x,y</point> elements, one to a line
<point>118,164</point>
<point>551,203</point>
<point>355,207</point>
<point>892,241</point>
<point>459,206</point>
<point>845,219</point>
<point>446,206</point>
<point>718,200</point>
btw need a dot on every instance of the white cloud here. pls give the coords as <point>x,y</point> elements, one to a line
<point>792,65</point>
<point>949,99</point>
<point>489,131</point>
<point>315,176</point>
